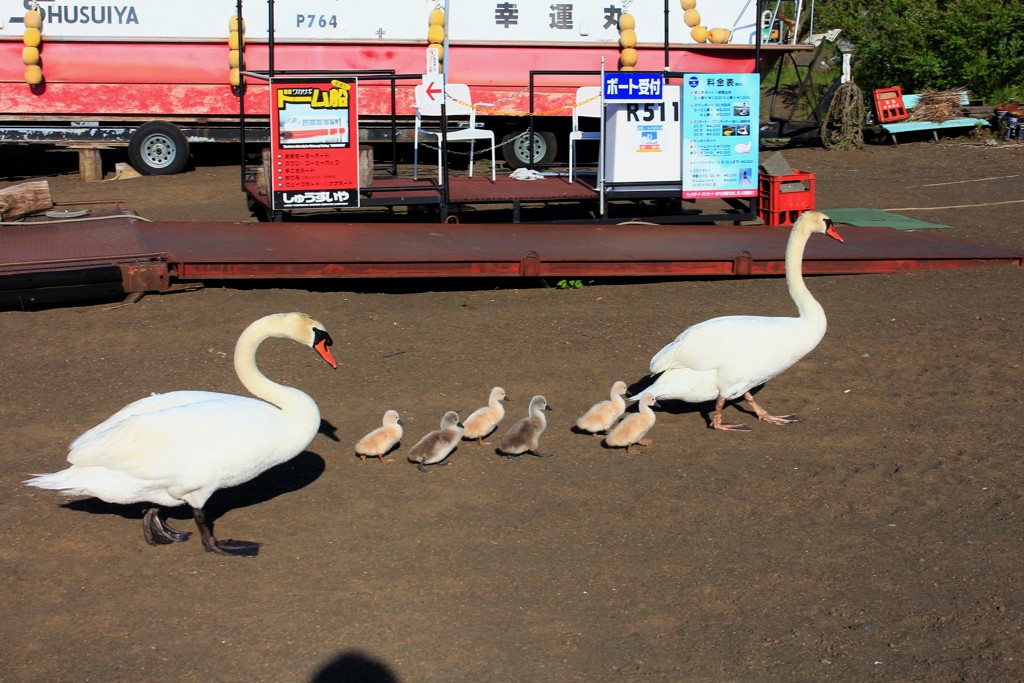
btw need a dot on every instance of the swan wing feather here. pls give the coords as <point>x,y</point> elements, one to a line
<point>738,340</point>
<point>222,437</point>
<point>685,384</point>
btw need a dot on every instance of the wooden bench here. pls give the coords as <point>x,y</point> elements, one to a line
<point>910,101</point>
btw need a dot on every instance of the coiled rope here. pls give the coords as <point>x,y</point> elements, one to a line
<point>843,125</point>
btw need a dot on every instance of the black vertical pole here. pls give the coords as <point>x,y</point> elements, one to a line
<point>270,38</point>
<point>666,35</point>
<point>241,93</point>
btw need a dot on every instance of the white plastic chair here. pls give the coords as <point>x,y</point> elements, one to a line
<point>458,104</point>
<point>589,95</point>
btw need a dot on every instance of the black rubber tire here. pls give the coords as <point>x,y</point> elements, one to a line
<point>158,148</point>
<point>517,154</point>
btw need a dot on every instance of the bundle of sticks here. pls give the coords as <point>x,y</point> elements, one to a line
<point>938,106</point>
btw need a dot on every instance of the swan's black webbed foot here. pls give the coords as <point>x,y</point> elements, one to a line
<point>234,548</point>
<point>157,532</point>
<point>228,547</point>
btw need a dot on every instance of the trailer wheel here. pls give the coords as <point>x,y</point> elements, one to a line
<point>158,148</point>
<point>517,154</point>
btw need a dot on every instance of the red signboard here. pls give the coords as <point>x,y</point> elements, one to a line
<point>314,143</point>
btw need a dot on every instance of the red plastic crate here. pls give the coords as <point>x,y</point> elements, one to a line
<point>779,218</point>
<point>776,207</point>
<point>889,105</point>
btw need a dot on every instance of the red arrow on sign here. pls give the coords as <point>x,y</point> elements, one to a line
<point>431,90</point>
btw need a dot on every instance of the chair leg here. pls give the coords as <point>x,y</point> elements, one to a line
<point>472,146</point>
<point>572,146</point>
<point>415,155</point>
<point>493,176</point>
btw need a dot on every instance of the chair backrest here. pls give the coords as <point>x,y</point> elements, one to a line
<point>590,97</point>
<point>458,102</point>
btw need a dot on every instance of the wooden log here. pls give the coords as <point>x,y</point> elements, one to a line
<point>263,174</point>
<point>365,165</point>
<point>90,164</point>
<point>17,201</point>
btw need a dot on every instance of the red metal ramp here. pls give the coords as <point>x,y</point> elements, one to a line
<point>295,250</point>
<point>145,256</point>
<point>46,261</point>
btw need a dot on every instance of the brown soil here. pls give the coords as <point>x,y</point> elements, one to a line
<point>878,539</point>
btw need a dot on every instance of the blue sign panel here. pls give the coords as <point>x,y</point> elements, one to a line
<point>720,135</point>
<point>631,86</point>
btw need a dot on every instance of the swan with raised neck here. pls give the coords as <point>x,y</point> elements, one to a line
<point>722,359</point>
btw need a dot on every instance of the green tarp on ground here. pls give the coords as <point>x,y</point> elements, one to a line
<point>880,218</point>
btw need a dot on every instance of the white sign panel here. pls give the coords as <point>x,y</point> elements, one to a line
<point>643,140</point>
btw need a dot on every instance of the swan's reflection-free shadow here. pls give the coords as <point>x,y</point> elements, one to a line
<point>676,407</point>
<point>329,430</point>
<point>295,474</point>
<point>354,667</point>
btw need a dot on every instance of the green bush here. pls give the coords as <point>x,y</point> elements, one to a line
<point>933,44</point>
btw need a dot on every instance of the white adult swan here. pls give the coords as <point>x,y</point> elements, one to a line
<point>724,358</point>
<point>178,448</point>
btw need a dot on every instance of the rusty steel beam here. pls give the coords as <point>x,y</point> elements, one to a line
<point>152,276</point>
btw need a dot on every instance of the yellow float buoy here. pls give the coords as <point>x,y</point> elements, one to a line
<point>234,59</point>
<point>32,37</point>
<point>719,36</point>
<point>691,17</point>
<point>627,58</point>
<point>235,40</point>
<point>33,19</point>
<point>627,22</point>
<point>627,38</point>
<point>699,34</point>
<point>688,4</point>
<point>440,50</point>
<point>233,23</point>
<point>33,74</point>
<point>435,34</point>
<point>234,77</point>
<point>30,55</point>
<point>437,17</point>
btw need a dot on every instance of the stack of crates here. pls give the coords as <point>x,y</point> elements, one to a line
<point>782,198</point>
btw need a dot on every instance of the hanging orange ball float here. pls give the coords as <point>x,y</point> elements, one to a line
<point>628,56</point>
<point>435,32</point>
<point>31,53</point>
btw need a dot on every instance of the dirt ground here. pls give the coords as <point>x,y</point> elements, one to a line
<point>879,538</point>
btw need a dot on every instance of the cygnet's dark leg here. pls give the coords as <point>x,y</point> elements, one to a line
<point>229,547</point>
<point>540,454</point>
<point>424,467</point>
<point>157,532</point>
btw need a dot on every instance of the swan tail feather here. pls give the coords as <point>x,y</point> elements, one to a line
<point>66,481</point>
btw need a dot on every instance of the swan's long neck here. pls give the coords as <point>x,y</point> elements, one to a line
<point>285,398</point>
<point>806,304</point>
